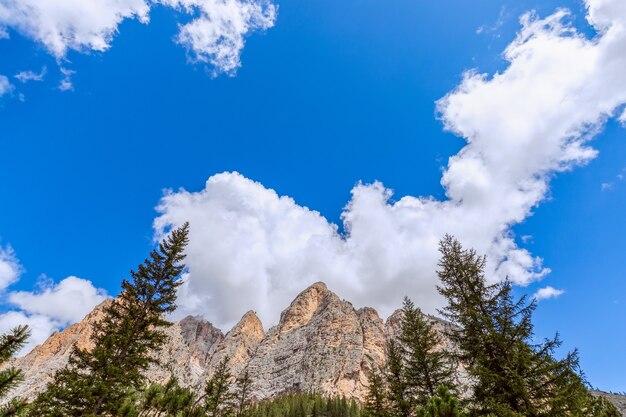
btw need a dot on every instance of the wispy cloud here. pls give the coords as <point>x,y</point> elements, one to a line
<point>26,76</point>
<point>496,26</point>
<point>66,82</point>
<point>5,86</point>
<point>606,186</point>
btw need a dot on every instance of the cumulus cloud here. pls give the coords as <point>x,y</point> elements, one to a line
<point>548,292</point>
<point>40,327</point>
<point>50,308</point>
<point>26,76</point>
<point>5,85</point>
<point>251,248</point>
<point>214,35</point>
<point>66,302</point>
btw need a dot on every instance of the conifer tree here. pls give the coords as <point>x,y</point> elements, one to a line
<point>426,365</point>
<point>400,403</point>
<point>10,344</point>
<point>512,375</point>
<point>218,398</point>
<point>376,399</point>
<point>442,404</point>
<point>96,381</point>
<point>243,392</point>
<point>162,400</point>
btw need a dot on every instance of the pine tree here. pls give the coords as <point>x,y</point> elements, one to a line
<point>10,344</point>
<point>218,398</point>
<point>96,381</point>
<point>442,404</point>
<point>426,365</point>
<point>512,375</point>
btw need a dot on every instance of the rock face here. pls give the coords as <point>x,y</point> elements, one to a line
<point>321,343</point>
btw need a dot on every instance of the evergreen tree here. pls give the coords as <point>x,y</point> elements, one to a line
<point>243,392</point>
<point>162,400</point>
<point>10,344</point>
<point>399,400</point>
<point>376,400</point>
<point>218,398</point>
<point>96,381</point>
<point>512,376</point>
<point>442,404</point>
<point>426,365</point>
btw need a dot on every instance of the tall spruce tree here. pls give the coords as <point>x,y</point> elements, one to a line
<point>400,403</point>
<point>10,344</point>
<point>219,400</point>
<point>426,365</point>
<point>96,381</point>
<point>512,375</point>
<point>376,400</point>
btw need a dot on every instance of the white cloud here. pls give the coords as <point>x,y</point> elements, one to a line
<point>66,82</point>
<point>10,268</point>
<point>214,35</point>
<point>60,25</point>
<point>548,292</point>
<point>251,248</point>
<point>50,308</point>
<point>3,33</point>
<point>217,35</point>
<point>25,76</point>
<point>66,302</point>
<point>5,85</point>
<point>40,326</point>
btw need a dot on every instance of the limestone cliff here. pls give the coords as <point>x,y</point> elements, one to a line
<point>321,343</point>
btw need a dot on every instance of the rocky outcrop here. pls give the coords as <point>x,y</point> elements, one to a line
<point>43,361</point>
<point>321,343</point>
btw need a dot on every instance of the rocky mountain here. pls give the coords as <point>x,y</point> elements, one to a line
<point>321,343</point>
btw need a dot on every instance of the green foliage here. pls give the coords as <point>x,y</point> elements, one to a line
<point>512,375</point>
<point>305,405</point>
<point>162,400</point>
<point>96,381</point>
<point>399,400</point>
<point>426,365</point>
<point>376,403</point>
<point>10,344</point>
<point>219,400</point>
<point>442,404</point>
<point>242,394</point>
<point>416,366</point>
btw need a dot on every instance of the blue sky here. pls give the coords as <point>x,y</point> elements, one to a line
<point>333,94</point>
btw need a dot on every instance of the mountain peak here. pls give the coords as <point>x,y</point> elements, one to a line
<point>304,306</point>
